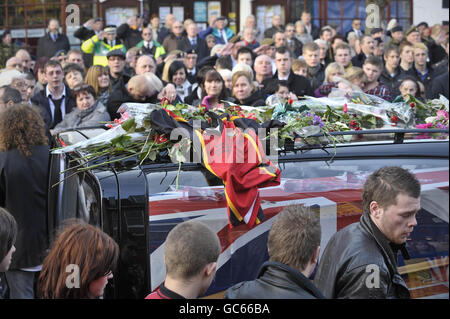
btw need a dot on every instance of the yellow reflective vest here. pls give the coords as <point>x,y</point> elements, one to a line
<point>100,49</point>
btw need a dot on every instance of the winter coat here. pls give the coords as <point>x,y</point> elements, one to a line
<point>23,193</point>
<point>299,85</point>
<point>120,95</point>
<point>275,281</point>
<point>156,50</point>
<point>83,118</point>
<point>129,36</point>
<point>100,49</point>
<point>219,39</point>
<point>47,47</point>
<point>6,52</point>
<point>359,262</point>
<point>257,98</point>
<point>43,104</point>
<point>201,47</point>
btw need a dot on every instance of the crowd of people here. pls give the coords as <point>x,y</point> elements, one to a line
<point>61,88</point>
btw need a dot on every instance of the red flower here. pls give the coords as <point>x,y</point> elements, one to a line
<point>412,104</point>
<point>164,101</point>
<point>358,129</point>
<point>290,101</point>
<point>353,124</point>
<point>202,108</point>
<point>160,139</point>
<point>394,118</point>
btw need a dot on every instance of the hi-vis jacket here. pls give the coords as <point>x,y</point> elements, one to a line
<point>100,49</point>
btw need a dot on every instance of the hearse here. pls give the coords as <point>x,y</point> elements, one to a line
<point>138,205</point>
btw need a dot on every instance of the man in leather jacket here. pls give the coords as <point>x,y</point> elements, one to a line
<point>293,247</point>
<point>360,261</point>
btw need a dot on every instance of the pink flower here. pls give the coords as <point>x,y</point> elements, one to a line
<point>442,113</point>
<point>424,126</point>
<point>345,108</point>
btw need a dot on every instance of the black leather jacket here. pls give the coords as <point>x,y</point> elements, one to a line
<point>275,281</point>
<point>359,262</point>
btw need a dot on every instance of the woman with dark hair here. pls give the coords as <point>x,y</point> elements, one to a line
<point>213,90</point>
<point>178,76</point>
<point>87,252</point>
<point>39,74</point>
<point>24,155</point>
<point>87,113</point>
<point>245,92</point>
<point>8,234</point>
<point>196,94</point>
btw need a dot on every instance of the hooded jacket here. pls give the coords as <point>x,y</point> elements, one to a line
<point>359,262</point>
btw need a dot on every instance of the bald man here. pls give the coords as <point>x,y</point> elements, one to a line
<point>166,29</point>
<point>170,43</point>
<point>262,67</point>
<point>14,63</point>
<point>145,64</point>
<point>25,57</point>
<point>137,90</point>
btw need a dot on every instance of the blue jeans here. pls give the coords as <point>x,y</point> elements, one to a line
<point>21,284</point>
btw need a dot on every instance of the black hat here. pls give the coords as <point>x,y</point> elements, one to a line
<point>60,53</point>
<point>221,18</point>
<point>423,24</point>
<point>376,30</point>
<point>98,19</point>
<point>189,50</point>
<point>396,29</point>
<point>116,52</point>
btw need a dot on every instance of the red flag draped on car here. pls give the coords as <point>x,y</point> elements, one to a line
<point>237,157</point>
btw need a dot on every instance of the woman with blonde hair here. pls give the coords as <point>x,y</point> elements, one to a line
<point>24,155</point>
<point>356,77</point>
<point>87,252</point>
<point>98,77</point>
<point>354,80</point>
<point>333,72</point>
<point>244,91</point>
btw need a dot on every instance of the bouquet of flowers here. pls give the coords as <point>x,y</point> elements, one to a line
<point>135,135</point>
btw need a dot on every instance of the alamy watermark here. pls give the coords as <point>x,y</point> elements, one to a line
<point>73,15</point>
<point>373,277</point>
<point>373,18</point>
<point>73,278</point>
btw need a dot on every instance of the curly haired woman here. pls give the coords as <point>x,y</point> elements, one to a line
<point>81,261</point>
<point>24,156</point>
